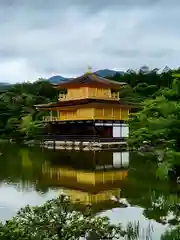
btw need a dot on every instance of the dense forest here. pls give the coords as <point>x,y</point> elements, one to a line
<point>155,126</point>
<point>18,117</point>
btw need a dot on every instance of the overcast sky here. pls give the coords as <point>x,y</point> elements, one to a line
<point>41,38</point>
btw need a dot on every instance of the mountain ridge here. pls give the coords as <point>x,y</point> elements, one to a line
<point>58,78</point>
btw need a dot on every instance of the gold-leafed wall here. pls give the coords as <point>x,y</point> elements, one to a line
<point>68,115</point>
<point>106,113</point>
<point>124,113</point>
<point>79,114</point>
<point>76,93</point>
<point>99,93</point>
<point>89,92</point>
<point>111,113</point>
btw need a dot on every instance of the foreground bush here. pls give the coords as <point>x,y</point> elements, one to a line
<point>173,234</point>
<point>57,220</point>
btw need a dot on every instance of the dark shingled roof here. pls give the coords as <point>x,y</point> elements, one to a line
<point>90,78</point>
<point>85,101</point>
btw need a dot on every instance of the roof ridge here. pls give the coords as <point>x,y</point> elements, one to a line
<point>94,77</point>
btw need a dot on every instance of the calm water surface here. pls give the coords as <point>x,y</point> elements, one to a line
<point>120,185</point>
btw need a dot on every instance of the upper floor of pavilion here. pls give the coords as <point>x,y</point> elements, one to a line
<point>89,86</point>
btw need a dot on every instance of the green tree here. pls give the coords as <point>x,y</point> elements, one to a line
<point>157,125</point>
<point>58,219</point>
<point>18,117</point>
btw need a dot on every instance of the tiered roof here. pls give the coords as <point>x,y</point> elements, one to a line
<point>90,79</point>
<point>89,101</point>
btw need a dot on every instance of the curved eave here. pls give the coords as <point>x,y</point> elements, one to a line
<point>98,85</point>
<point>80,102</point>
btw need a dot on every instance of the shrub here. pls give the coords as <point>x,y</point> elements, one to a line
<point>57,219</point>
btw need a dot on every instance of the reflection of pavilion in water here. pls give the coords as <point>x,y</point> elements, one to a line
<point>96,181</point>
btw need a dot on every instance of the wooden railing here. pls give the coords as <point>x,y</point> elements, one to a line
<point>51,119</point>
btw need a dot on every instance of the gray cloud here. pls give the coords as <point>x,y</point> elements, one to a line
<point>42,38</point>
<point>93,3</point>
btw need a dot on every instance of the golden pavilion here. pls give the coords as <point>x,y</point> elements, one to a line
<point>88,105</point>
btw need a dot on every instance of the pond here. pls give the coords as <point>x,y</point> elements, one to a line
<point>120,185</point>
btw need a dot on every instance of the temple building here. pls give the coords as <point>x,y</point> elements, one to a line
<point>88,105</point>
